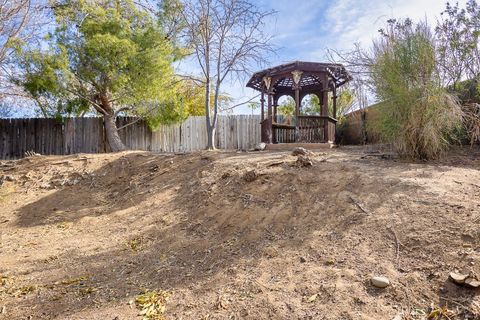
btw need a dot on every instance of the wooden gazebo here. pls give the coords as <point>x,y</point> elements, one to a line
<point>299,79</point>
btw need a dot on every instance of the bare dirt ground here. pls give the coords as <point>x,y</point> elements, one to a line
<point>239,235</point>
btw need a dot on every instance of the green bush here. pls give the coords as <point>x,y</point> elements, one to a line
<point>417,115</point>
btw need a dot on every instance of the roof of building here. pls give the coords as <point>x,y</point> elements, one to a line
<point>311,70</point>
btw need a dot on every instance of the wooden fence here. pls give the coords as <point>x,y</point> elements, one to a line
<point>358,127</point>
<point>86,135</point>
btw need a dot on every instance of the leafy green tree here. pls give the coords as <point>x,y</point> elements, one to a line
<point>253,106</point>
<point>287,107</point>
<point>192,96</point>
<point>108,56</point>
<point>345,101</point>
<point>311,105</point>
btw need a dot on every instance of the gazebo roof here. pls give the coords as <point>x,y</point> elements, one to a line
<point>284,81</point>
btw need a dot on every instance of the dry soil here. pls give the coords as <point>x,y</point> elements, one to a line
<point>239,235</point>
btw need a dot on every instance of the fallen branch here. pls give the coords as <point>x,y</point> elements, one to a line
<point>277,163</point>
<point>397,247</point>
<point>358,205</point>
<point>61,162</point>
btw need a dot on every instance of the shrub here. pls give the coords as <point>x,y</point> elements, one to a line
<point>417,115</point>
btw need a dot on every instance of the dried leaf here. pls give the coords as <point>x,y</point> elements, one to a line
<point>152,304</point>
<point>313,297</point>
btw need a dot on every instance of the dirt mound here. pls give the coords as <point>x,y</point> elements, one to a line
<point>239,235</point>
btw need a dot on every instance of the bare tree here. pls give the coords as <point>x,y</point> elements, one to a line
<point>5,111</point>
<point>20,21</point>
<point>358,62</point>
<point>14,15</point>
<point>227,38</point>
<point>457,37</point>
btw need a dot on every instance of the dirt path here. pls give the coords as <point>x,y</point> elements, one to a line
<point>238,235</point>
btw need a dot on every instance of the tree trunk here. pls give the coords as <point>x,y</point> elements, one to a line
<point>111,131</point>
<point>208,118</point>
<point>210,137</point>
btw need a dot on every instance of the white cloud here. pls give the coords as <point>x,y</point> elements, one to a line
<point>359,21</point>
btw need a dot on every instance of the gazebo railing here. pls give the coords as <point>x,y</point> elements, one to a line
<point>283,133</point>
<point>311,129</point>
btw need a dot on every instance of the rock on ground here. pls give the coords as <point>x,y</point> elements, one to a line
<point>380,282</point>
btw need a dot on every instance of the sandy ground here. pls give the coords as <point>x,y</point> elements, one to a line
<point>239,235</point>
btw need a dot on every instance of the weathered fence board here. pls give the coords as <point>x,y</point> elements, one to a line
<point>86,135</point>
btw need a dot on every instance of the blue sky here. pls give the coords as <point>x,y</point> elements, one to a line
<point>304,29</point>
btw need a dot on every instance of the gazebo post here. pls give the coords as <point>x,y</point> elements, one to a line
<point>262,102</point>
<point>324,109</point>
<point>334,101</point>
<point>326,138</point>
<point>269,117</point>
<point>275,105</point>
<point>297,78</point>
<point>297,113</point>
